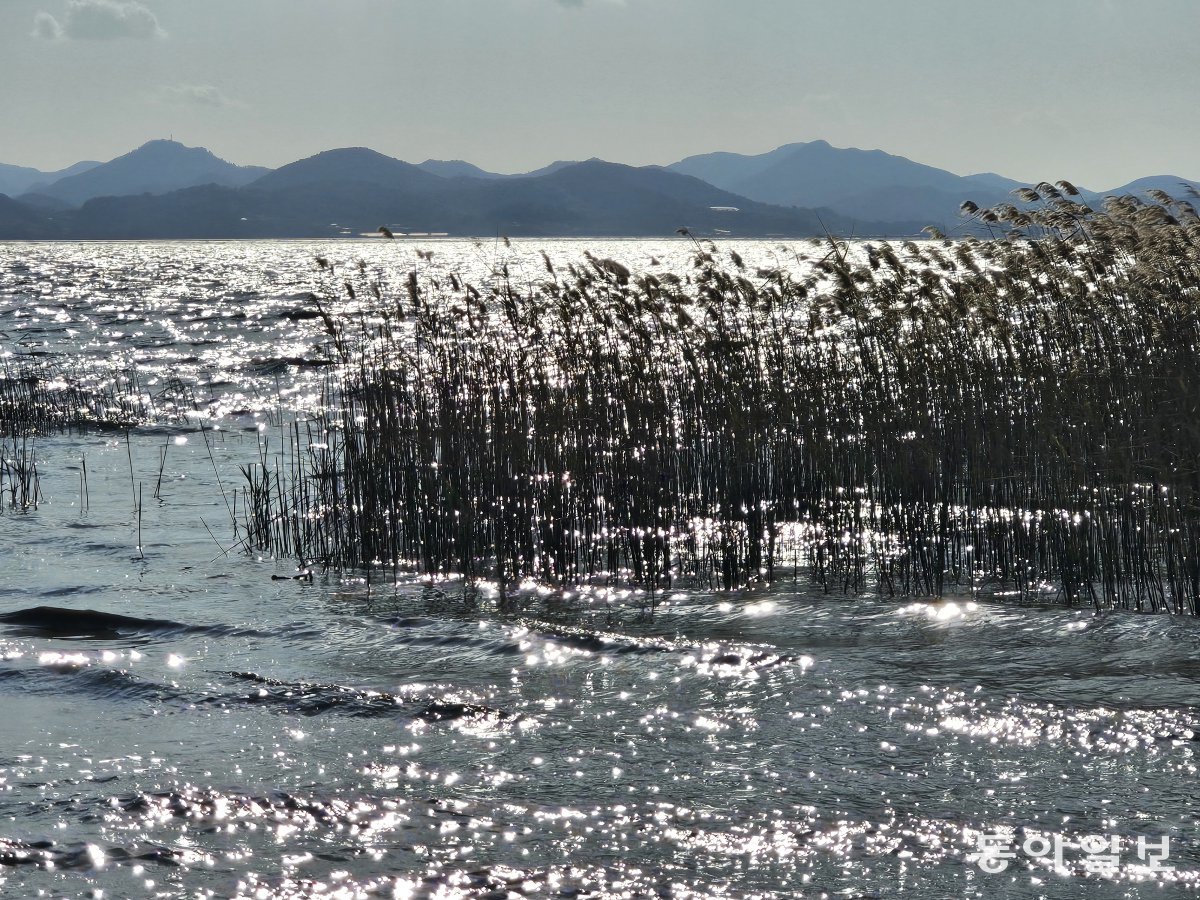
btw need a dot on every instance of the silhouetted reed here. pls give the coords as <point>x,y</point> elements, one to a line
<point>39,397</point>
<point>1012,415</point>
<point>20,483</point>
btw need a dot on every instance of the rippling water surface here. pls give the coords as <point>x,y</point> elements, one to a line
<point>203,724</point>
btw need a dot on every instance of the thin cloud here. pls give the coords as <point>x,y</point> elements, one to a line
<point>196,95</point>
<point>99,20</point>
<point>46,27</point>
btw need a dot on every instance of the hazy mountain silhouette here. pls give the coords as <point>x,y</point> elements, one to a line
<point>863,184</point>
<point>456,168</point>
<point>164,189</point>
<point>994,181</point>
<point>157,167</point>
<point>358,190</point>
<point>20,222</point>
<point>44,203</point>
<point>347,166</point>
<point>1174,185</point>
<point>208,211</point>
<point>553,167</point>
<point>603,198</point>
<point>16,180</point>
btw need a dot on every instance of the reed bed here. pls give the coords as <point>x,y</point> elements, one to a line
<point>39,397</point>
<point>1011,416</point>
<point>45,396</point>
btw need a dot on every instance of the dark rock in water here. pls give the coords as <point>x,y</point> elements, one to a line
<point>56,621</point>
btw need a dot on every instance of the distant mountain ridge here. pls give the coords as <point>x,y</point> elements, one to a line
<point>356,190</point>
<point>164,189</point>
<point>871,184</point>
<point>867,184</point>
<point>1181,188</point>
<point>157,167</point>
<point>456,168</point>
<point>21,222</point>
<point>16,180</point>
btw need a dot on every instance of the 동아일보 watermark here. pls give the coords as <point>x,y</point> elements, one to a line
<point>1099,854</point>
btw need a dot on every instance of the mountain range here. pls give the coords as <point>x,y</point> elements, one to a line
<point>16,180</point>
<point>166,190</point>
<point>857,183</point>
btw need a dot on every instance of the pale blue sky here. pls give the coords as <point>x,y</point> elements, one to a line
<point>1096,91</point>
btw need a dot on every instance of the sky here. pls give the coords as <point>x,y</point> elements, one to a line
<point>1098,92</point>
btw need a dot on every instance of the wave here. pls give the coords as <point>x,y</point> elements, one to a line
<point>312,699</point>
<point>51,855</point>
<point>60,622</point>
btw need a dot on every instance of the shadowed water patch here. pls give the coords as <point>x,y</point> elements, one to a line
<point>55,621</point>
<point>51,855</point>
<point>59,622</point>
<point>80,675</point>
